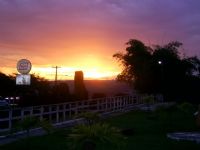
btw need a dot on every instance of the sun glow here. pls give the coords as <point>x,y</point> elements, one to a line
<point>67,73</point>
<point>94,67</point>
<point>101,75</point>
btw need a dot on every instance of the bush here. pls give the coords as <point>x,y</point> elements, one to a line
<point>186,108</point>
<point>84,137</point>
<point>46,126</point>
<point>198,117</point>
<point>98,95</point>
<point>28,123</point>
<point>148,99</point>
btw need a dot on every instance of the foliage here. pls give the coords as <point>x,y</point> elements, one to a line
<point>35,93</point>
<point>39,92</point>
<point>93,134</point>
<point>7,85</point>
<point>174,76</point>
<point>28,123</point>
<point>90,117</point>
<point>187,108</point>
<point>148,134</point>
<point>98,95</point>
<point>47,126</point>
<point>60,93</point>
<point>96,135</point>
<point>170,108</point>
<point>135,63</point>
<point>148,99</point>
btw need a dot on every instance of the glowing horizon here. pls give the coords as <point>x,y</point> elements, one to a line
<point>83,35</point>
<point>90,69</point>
<point>66,73</point>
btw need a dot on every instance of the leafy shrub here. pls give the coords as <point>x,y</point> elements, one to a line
<point>47,126</point>
<point>98,95</point>
<point>167,108</point>
<point>90,117</point>
<point>148,99</point>
<point>86,137</point>
<point>186,108</point>
<point>28,123</point>
<point>128,131</point>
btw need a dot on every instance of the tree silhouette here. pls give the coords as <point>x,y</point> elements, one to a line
<point>42,92</point>
<point>60,93</point>
<point>7,85</point>
<point>160,69</point>
<point>136,65</point>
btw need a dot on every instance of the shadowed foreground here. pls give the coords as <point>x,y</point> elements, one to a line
<point>144,131</point>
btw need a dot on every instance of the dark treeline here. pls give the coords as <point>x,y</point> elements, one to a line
<point>150,70</point>
<point>161,69</point>
<point>39,92</point>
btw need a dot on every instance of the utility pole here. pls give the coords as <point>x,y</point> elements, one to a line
<point>56,75</point>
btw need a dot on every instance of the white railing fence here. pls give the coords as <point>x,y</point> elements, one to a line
<point>57,113</point>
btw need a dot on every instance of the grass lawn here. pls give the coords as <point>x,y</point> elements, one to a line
<point>149,129</point>
<point>148,132</point>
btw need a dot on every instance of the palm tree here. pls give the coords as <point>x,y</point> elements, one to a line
<point>90,118</point>
<point>89,137</point>
<point>148,100</point>
<point>28,123</point>
<point>46,126</point>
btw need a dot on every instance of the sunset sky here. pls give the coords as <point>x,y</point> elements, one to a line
<point>84,34</point>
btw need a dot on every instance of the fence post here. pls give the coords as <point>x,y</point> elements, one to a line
<point>41,113</point>
<point>64,111</point>
<point>98,103</point>
<point>57,113</point>
<point>114,105</point>
<point>22,113</point>
<point>10,119</point>
<point>31,111</point>
<point>50,113</point>
<point>76,108</point>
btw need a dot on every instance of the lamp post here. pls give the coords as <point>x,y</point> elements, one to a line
<point>160,62</point>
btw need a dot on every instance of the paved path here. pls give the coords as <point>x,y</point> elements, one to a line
<point>35,132</point>
<point>189,136</point>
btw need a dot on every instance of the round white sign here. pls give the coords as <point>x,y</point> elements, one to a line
<point>24,66</point>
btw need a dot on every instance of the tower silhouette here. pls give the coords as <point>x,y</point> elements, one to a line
<point>79,86</point>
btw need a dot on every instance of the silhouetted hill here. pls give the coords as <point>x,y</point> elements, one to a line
<point>108,87</point>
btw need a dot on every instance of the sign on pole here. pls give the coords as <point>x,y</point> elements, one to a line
<point>23,79</point>
<point>23,67</point>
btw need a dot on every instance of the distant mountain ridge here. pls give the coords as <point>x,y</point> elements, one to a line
<point>108,87</point>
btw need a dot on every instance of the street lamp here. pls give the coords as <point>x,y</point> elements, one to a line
<point>160,62</point>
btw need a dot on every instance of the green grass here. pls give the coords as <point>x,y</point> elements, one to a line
<point>149,132</point>
<point>48,142</point>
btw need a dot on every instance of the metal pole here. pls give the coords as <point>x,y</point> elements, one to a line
<point>56,75</point>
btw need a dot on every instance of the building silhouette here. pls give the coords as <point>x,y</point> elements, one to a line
<point>79,86</point>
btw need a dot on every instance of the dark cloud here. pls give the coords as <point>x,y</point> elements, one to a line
<point>35,24</point>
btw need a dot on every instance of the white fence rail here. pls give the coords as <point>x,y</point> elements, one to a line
<point>57,113</point>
